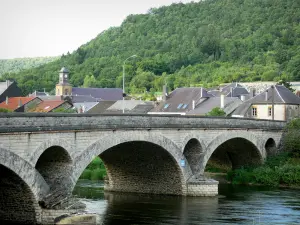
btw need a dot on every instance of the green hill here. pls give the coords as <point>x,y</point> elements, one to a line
<point>204,43</point>
<point>16,65</point>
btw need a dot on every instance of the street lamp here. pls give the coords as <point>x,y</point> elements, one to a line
<point>124,80</point>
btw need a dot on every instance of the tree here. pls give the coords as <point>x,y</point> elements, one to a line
<point>286,84</point>
<point>216,112</point>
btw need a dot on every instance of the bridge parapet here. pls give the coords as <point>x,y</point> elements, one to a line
<point>30,122</point>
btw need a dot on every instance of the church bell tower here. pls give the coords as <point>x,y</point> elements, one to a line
<point>63,87</point>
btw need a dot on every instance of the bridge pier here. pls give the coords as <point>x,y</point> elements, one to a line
<point>202,188</point>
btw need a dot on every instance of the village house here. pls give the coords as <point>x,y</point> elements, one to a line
<point>285,103</point>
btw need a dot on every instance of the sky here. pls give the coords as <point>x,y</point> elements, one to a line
<point>33,28</point>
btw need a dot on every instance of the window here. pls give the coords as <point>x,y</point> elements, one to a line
<point>57,91</point>
<point>179,106</point>
<point>66,91</point>
<point>184,106</point>
<point>254,111</point>
<point>166,106</point>
<point>270,111</point>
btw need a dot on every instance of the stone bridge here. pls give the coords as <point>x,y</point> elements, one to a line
<point>43,155</point>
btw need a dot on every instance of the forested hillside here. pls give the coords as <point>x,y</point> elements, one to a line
<point>16,65</point>
<point>203,43</point>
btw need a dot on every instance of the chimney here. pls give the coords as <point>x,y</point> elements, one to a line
<point>201,92</point>
<point>222,101</point>
<point>243,98</point>
<point>6,100</point>
<point>165,93</point>
<point>231,92</point>
<point>193,104</point>
<point>266,95</point>
<point>20,103</point>
<point>252,92</point>
<point>7,83</point>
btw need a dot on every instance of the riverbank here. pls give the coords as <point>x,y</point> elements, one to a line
<point>278,171</point>
<point>95,170</point>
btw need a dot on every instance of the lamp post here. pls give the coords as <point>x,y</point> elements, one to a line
<point>124,80</point>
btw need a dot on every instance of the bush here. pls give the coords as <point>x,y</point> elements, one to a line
<point>98,174</point>
<point>240,176</point>
<point>2,110</point>
<point>266,176</point>
<point>289,174</point>
<point>86,174</point>
<point>291,138</point>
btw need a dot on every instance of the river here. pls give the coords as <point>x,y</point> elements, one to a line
<point>234,205</point>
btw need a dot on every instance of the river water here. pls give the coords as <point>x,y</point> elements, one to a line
<point>234,205</point>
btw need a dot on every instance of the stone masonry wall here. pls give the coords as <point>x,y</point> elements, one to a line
<point>141,167</point>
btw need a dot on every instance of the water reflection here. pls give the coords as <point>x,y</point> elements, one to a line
<point>234,205</point>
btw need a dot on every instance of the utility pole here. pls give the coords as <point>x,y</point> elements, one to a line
<point>272,88</point>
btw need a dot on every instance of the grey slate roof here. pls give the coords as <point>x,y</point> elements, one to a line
<point>210,103</point>
<point>128,104</point>
<point>107,94</point>
<point>86,106</point>
<point>82,98</point>
<point>238,91</point>
<point>184,96</point>
<point>100,107</point>
<point>282,95</point>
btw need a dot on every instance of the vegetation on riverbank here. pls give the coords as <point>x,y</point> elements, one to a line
<point>95,170</point>
<point>282,169</point>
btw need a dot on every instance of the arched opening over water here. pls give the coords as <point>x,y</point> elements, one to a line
<point>54,165</point>
<point>270,147</point>
<point>192,153</point>
<point>233,154</point>
<point>141,167</point>
<point>17,203</point>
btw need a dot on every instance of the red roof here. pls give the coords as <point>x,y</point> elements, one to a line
<point>15,102</point>
<point>47,105</point>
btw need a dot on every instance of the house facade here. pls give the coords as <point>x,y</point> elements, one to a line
<point>285,103</point>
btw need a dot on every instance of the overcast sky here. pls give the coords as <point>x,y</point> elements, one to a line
<point>31,28</point>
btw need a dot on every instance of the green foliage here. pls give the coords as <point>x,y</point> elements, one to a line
<point>280,169</point>
<point>16,65</point>
<point>201,43</point>
<point>216,112</point>
<point>94,171</point>
<point>291,138</point>
<point>2,110</point>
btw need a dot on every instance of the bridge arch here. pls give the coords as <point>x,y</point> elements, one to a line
<point>55,165</point>
<point>193,149</point>
<point>26,172</point>
<point>130,156</point>
<point>270,147</point>
<point>18,204</point>
<point>237,148</point>
<point>48,144</point>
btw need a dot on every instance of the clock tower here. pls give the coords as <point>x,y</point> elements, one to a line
<point>63,87</point>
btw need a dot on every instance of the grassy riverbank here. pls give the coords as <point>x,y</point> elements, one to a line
<point>95,170</point>
<point>281,170</point>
